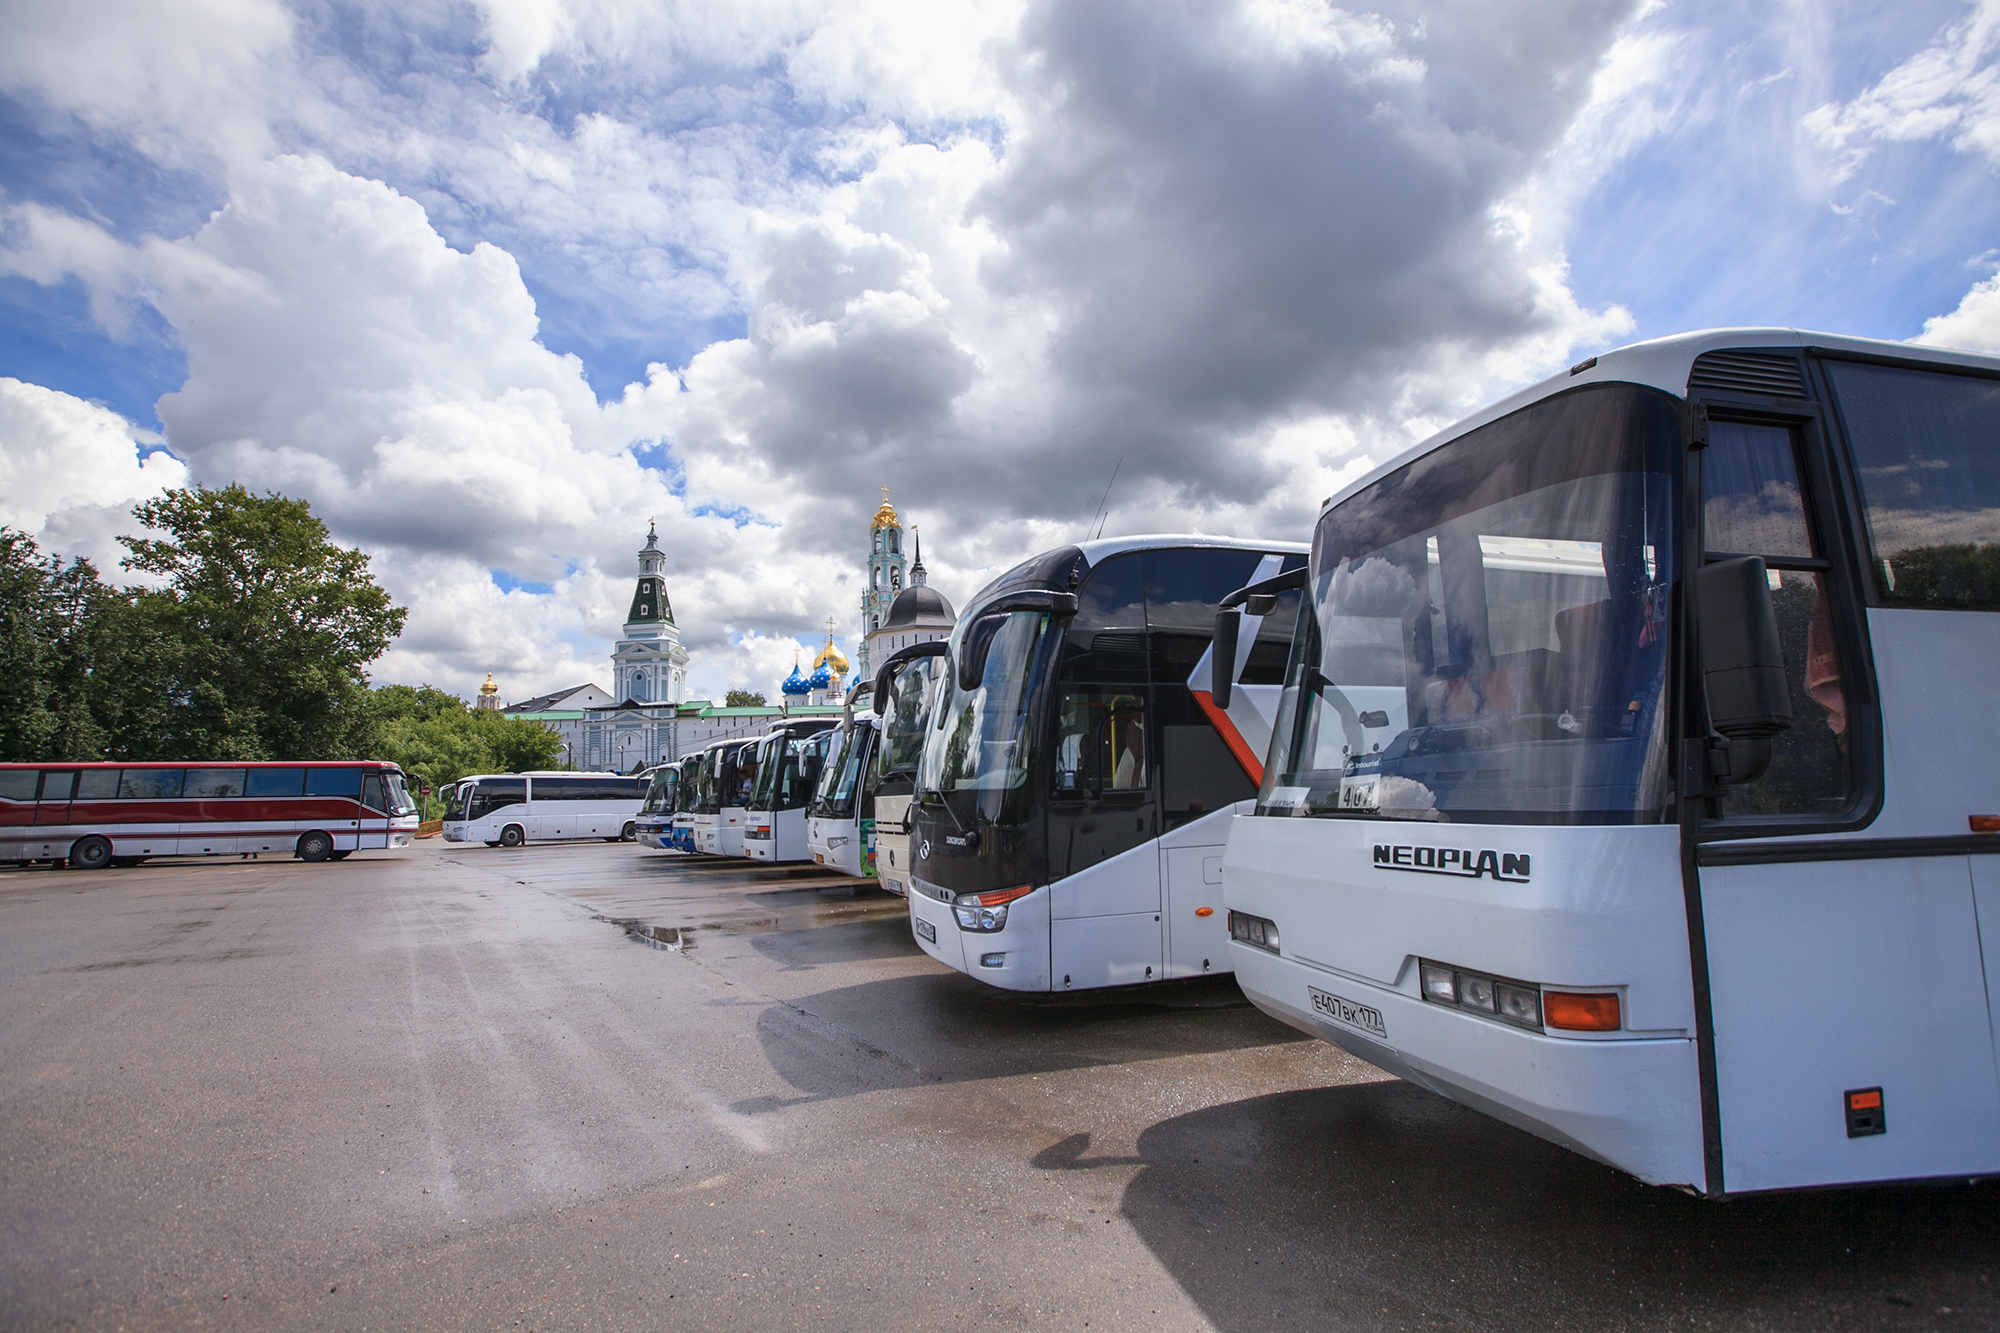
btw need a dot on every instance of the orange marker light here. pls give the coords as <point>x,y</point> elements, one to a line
<point>1984,823</point>
<point>1580,1013</point>
<point>1864,1101</point>
<point>1204,911</point>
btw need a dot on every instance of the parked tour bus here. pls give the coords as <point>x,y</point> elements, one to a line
<point>654,826</point>
<point>1077,778</point>
<point>1630,782</point>
<point>839,823</point>
<point>508,809</point>
<point>788,767</point>
<point>92,815</point>
<point>902,693</point>
<point>728,774</point>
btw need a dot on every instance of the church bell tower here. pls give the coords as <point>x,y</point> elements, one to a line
<point>885,578</point>
<point>649,665</point>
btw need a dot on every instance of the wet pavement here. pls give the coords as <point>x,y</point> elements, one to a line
<point>595,1086</point>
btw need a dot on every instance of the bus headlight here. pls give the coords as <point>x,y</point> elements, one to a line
<point>1254,930</point>
<point>987,912</point>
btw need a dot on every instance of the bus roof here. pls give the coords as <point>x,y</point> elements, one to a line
<point>1662,363</point>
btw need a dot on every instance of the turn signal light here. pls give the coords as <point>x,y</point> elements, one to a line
<point>1984,823</point>
<point>1580,1013</point>
<point>987,912</point>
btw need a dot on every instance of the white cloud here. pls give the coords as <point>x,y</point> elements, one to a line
<point>1973,327</point>
<point>1949,90</point>
<point>70,472</point>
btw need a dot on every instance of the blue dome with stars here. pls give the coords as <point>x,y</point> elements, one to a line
<point>796,684</point>
<point>821,679</point>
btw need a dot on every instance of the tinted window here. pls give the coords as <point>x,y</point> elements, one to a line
<point>1182,591</point>
<point>1106,641</point>
<point>213,782</point>
<point>58,786</point>
<point>494,794</point>
<point>97,784</point>
<point>371,793</point>
<point>1183,587</point>
<point>18,784</point>
<point>1927,448</point>
<point>334,782</point>
<point>1751,503</point>
<point>151,784</point>
<point>277,781</point>
<point>1113,595</point>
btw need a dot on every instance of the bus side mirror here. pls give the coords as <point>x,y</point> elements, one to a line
<point>1742,663</point>
<point>972,652</point>
<point>1222,656</point>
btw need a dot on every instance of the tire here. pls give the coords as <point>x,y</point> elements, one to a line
<point>340,856</point>
<point>629,832</point>
<point>90,852</point>
<point>512,836</point>
<point>315,846</point>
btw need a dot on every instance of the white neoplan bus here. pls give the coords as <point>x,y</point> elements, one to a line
<point>1077,776</point>
<point>1636,778</point>
<point>840,822</point>
<point>508,809</point>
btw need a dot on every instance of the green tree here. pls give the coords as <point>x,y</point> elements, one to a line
<point>742,699</point>
<point>432,735</point>
<point>63,645</point>
<point>271,626</point>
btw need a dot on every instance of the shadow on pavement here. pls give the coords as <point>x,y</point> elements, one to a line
<point>941,1027</point>
<point>1383,1206</point>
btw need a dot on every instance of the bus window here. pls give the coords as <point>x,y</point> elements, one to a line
<point>1182,590</point>
<point>371,793</point>
<point>495,794</point>
<point>57,786</point>
<point>151,784</point>
<point>276,782</point>
<point>19,785</point>
<point>1923,446</point>
<point>334,782</point>
<point>97,784</point>
<point>1752,504</point>
<point>209,783</point>
<point>1100,742</point>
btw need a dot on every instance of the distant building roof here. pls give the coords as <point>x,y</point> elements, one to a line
<point>920,607</point>
<point>542,703</point>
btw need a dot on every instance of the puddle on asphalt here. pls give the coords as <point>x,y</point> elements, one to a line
<point>674,939</point>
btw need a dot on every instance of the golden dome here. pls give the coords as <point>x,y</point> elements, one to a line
<point>831,657</point>
<point>489,689</point>
<point>885,517</point>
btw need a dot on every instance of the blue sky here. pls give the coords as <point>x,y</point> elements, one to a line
<point>494,284</point>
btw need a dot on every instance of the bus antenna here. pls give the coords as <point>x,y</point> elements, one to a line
<point>1100,504</point>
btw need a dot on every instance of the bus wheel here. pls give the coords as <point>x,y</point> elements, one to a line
<point>629,832</point>
<point>315,846</point>
<point>512,836</point>
<point>91,853</point>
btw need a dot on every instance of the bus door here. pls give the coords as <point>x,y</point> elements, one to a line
<point>374,827</point>
<point>1852,1034</point>
<point>1104,868</point>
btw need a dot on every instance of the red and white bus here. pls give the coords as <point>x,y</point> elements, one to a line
<point>91,815</point>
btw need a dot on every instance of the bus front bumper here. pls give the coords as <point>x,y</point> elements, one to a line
<point>1631,1103</point>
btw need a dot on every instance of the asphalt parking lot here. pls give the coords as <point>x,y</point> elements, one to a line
<point>594,1086</point>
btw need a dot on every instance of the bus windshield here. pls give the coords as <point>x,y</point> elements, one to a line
<point>979,739</point>
<point>660,796</point>
<point>1486,639</point>
<point>399,794</point>
<point>904,713</point>
<point>770,755</point>
<point>835,798</point>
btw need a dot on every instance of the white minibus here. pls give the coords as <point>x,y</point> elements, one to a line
<point>508,809</point>
<point>1635,779</point>
<point>1077,776</point>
